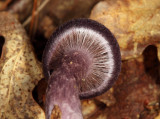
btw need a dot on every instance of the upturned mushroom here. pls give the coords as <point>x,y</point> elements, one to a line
<point>81,60</point>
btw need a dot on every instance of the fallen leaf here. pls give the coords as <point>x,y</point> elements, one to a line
<point>136,92</point>
<point>64,10</point>
<point>134,23</point>
<point>19,72</point>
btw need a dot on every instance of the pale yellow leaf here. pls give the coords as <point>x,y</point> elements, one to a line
<point>19,72</point>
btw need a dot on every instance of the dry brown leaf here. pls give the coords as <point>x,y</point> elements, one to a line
<point>21,9</point>
<point>135,24</point>
<point>19,72</point>
<point>68,9</point>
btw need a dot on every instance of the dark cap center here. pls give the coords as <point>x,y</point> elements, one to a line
<point>76,63</point>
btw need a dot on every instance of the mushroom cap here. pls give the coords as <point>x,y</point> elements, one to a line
<point>95,42</point>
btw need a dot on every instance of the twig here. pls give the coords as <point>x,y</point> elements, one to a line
<point>33,18</point>
<point>36,12</point>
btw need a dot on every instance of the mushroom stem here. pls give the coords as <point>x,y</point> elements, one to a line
<point>63,87</point>
<point>62,91</point>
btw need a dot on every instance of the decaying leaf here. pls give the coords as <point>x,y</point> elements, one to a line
<point>136,92</point>
<point>69,9</point>
<point>135,24</point>
<point>20,8</point>
<point>19,72</point>
<point>56,113</point>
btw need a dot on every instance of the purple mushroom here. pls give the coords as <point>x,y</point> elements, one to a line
<point>81,60</point>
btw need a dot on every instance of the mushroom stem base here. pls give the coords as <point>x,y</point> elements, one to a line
<point>62,91</point>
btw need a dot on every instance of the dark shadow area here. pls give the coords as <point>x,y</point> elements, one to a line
<point>2,40</point>
<point>39,92</point>
<point>39,45</point>
<point>151,62</point>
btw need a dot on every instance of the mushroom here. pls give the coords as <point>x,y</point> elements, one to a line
<point>81,60</point>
